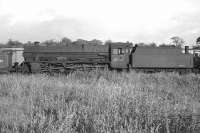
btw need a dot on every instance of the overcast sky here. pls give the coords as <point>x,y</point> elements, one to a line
<point>117,20</point>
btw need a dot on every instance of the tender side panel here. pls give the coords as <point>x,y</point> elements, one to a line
<point>162,61</point>
<point>161,58</point>
<point>157,50</point>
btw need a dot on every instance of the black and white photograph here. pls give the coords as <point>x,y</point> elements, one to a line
<point>99,66</point>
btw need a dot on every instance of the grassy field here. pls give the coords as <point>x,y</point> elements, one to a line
<point>99,102</point>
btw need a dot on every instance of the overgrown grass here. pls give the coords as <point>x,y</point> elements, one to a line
<point>99,101</point>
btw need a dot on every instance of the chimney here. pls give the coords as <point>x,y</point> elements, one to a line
<point>186,49</point>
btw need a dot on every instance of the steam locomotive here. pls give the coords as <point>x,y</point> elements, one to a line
<point>114,56</point>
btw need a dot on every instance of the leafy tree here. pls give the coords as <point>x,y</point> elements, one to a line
<point>2,45</point>
<point>12,43</point>
<point>177,41</point>
<point>141,44</point>
<point>147,45</point>
<point>28,43</point>
<point>66,41</point>
<point>80,42</point>
<point>167,45</point>
<point>153,44</point>
<point>107,42</point>
<point>50,42</point>
<point>198,40</point>
<point>95,42</point>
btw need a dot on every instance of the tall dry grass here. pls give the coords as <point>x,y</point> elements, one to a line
<point>99,101</point>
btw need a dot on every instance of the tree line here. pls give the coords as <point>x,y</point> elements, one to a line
<point>64,42</point>
<point>175,41</point>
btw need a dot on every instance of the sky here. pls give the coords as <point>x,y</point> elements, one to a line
<point>117,20</point>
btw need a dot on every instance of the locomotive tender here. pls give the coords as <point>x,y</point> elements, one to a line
<point>115,56</point>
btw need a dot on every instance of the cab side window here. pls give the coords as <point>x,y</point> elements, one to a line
<point>115,51</point>
<point>120,51</point>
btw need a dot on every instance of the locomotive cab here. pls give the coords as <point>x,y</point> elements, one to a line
<point>120,53</point>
